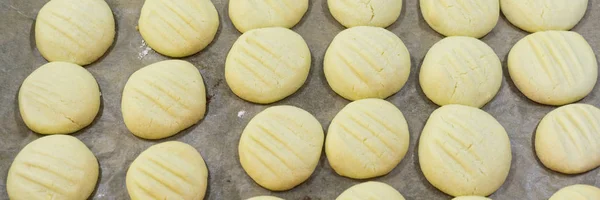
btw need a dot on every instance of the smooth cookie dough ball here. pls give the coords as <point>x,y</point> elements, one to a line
<point>553,67</point>
<point>366,62</point>
<point>280,147</point>
<point>371,190</point>
<point>379,13</point>
<point>163,98</point>
<point>265,198</point>
<point>544,15</point>
<point>247,15</point>
<point>169,170</point>
<point>76,31</point>
<point>577,192</point>
<point>461,18</point>
<point>461,70</point>
<point>471,198</point>
<point>567,139</point>
<point>464,151</point>
<point>266,65</point>
<point>178,28</point>
<point>59,98</point>
<point>366,139</point>
<point>53,167</point>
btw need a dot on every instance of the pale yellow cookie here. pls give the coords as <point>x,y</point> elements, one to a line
<point>53,167</point>
<point>464,151</point>
<point>577,192</point>
<point>169,170</point>
<point>461,70</point>
<point>461,17</point>
<point>366,62</point>
<point>163,99</point>
<point>59,98</point>
<point>366,139</point>
<point>178,28</point>
<point>471,198</point>
<point>280,147</point>
<point>268,64</point>
<point>76,31</point>
<point>567,139</point>
<point>553,67</point>
<point>372,191</point>
<point>544,15</point>
<point>351,13</point>
<point>265,198</point>
<point>247,15</point>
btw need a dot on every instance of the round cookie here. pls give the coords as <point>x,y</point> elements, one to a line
<point>247,15</point>
<point>461,70</point>
<point>567,139</point>
<point>379,13</point>
<point>464,151</point>
<point>553,67</point>
<point>76,31</point>
<point>280,147</point>
<point>371,190</point>
<point>163,98</point>
<point>577,192</point>
<point>366,62</point>
<point>544,15</point>
<point>471,198</point>
<point>461,18</point>
<point>268,64</point>
<point>178,28</point>
<point>366,139</point>
<point>53,167</point>
<point>168,170</point>
<point>265,198</point>
<point>59,98</point>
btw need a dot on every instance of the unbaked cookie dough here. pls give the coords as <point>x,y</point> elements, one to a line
<point>461,70</point>
<point>544,15</point>
<point>461,18</point>
<point>76,31</point>
<point>464,151</point>
<point>366,62</point>
<point>163,98</point>
<point>268,64</point>
<point>567,139</point>
<point>553,67</point>
<point>59,98</point>
<point>351,13</point>
<point>53,167</point>
<point>247,15</point>
<point>280,147</point>
<point>371,190</point>
<point>366,139</point>
<point>265,198</point>
<point>577,192</point>
<point>178,28</point>
<point>471,198</point>
<point>169,170</point>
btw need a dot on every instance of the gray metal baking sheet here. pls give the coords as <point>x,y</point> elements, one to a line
<point>216,137</point>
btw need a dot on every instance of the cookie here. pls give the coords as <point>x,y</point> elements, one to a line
<point>247,15</point>
<point>371,190</point>
<point>577,192</point>
<point>461,18</point>
<point>379,13</point>
<point>544,15</point>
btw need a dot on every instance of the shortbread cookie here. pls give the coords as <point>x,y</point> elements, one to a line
<point>280,147</point>
<point>351,13</point>
<point>163,98</point>
<point>461,70</point>
<point>266,65</point>
<point>461,18</point>
<point>265,198</point>
<point>371,190</point>
<point>544,15</point>
<point>75,31</point>
<point>577,192</point>
<point>53,167</point>
<point>471,198</point>
<point>366,62</point>
<point>247,15</point>
<point>553,67</point>
<point>178,28</point>
<point>366,139</point>
<point>567,139</point>
<point>464,151</point>
<point>59,98</point>
<point>169,170</point>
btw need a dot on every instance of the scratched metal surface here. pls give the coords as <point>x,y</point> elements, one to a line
<point>217,136</point>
